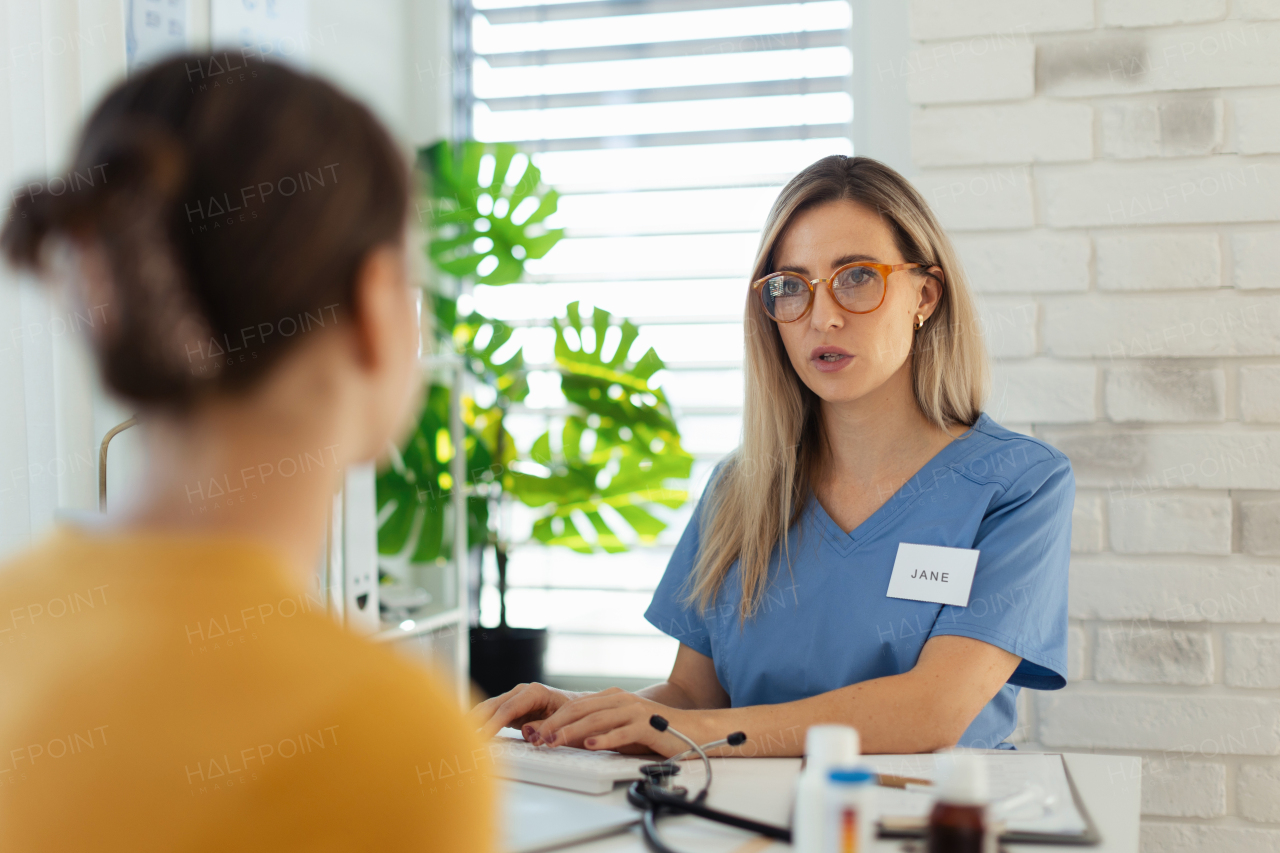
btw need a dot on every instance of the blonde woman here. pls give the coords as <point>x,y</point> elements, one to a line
<point>800,592</point>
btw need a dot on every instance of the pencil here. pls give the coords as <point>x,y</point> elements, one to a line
<point>887,780</point>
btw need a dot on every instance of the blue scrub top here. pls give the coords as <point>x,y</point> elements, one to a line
<point>827,623</point>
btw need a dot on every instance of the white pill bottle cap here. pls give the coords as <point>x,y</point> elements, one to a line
<point>963,779</point>
<point>829,746</point>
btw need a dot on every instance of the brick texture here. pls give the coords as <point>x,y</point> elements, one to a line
<point>1171,524</point>
<point>980,199</point>
<point>1257,259</point>
<point>1117,62</point>
<point>1038,131</point>
<point>1260,527</point>
<point>1165,394</point>
<point>1110,174</point>
<point>1257,124</point>
<point>1176,787</point>
<point>1189,838</point>
<point>1099,195</point>
<point>1140,594</point>
<point>1026,262</point>
<point>1187,722</point>
<point>1165,127</point>
<point>1044,392</point>
<point>1087,535</point>
<point>1258,791</point>
<point>993,68</point>
<point>1252,660</point>
<point>1144,13</point>
<point>1158,261</point>
<point>1146,656</point>
<point>946,19</point>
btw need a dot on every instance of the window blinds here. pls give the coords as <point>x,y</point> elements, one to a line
<point>668,126</point>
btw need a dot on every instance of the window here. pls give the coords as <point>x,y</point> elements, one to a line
<point>669,127</point>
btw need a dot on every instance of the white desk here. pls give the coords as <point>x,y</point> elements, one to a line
<point>760,788</point>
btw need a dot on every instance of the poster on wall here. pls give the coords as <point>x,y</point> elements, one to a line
<point>154,29</point>
<point>272,29</point>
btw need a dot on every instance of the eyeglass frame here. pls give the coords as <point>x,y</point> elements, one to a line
<point>885,270</point>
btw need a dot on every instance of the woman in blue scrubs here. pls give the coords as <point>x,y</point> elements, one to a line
<point>878,552</point>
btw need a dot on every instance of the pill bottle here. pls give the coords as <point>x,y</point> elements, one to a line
<point>958,822</point>
<point>850,810</point>
<point>825,747</point>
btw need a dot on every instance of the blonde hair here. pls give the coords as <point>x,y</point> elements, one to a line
<point>763,486</point>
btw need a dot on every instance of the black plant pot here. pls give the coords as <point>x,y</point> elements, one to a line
<point>501,658</point>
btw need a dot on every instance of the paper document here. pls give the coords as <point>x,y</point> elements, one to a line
<point>1044,802</point>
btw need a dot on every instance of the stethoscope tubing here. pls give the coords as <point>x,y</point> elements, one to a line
<point>655,801</point>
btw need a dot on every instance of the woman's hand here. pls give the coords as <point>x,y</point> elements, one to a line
<point>524,703</point>
<point>612,719</point>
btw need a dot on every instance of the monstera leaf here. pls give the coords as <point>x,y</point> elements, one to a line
<point>415,489</point>
<point>486,222</point>
<point>618,450</point>
<point>411,492</point>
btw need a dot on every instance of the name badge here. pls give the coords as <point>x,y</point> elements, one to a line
<point>933,573</point>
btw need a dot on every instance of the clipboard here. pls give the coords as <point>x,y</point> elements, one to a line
<point>912,827</point>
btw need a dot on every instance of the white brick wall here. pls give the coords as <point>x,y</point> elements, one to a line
<point>1166,394</point>
<point>1260,393</point>
<point>1110,172</point>
<point>1167,127</point>
<point>1258,125</point>
<point>1189,838</point>
<point>1159,656</point>
<point>1180,720</point>
<point>1038,131</point>
<point>1043,391</point>
<point>948,20</point>
<point>1171,524</point>
<point>1087,535</point>
<point>1181,788</point>
<point>1257,257</point>
<point>980,199</point>
<point>1258,791</point>
<point>1225,55</point>
<point>1185,261</point>
<point>1252,660</point>
<point>1257,10</point>
<point>1022,262</point>
<point>1144,13</point>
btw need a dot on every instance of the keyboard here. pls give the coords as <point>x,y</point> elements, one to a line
<point>583,770</point>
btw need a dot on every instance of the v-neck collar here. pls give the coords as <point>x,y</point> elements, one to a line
<point>905,496</point>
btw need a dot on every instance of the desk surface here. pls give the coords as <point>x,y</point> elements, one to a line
<point>761,788</point>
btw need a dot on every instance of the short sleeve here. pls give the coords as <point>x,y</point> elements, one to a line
<point>668,611</point>
<point>1018,601</point>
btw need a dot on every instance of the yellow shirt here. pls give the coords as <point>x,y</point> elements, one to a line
<point>174,693</point>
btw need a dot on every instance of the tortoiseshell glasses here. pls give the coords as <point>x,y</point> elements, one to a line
<point>857,288</point>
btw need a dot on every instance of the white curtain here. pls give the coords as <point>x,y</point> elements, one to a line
<point>58,58</point>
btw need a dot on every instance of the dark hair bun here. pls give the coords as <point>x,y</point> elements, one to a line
<point>217,216</point>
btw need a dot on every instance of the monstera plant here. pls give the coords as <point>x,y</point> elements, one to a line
<point>592,481</point>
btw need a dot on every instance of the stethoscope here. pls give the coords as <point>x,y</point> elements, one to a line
<point>655,794</point>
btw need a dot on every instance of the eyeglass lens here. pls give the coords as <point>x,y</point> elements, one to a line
<point>858,289</point>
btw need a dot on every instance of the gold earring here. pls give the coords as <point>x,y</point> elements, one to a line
<point>919,324</point>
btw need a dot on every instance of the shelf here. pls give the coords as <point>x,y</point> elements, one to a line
<point>390,632</point>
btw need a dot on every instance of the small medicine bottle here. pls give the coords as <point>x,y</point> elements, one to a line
<point>958,822</point>
<point>850,810</point>
<point>826,747</point>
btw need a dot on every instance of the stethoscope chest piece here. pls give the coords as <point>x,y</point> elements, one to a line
<point>659,777</point>
<point>656,794</point>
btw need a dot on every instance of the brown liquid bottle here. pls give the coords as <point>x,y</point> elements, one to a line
<point>958,822</point>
